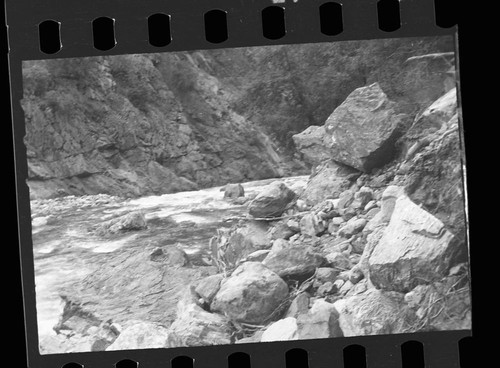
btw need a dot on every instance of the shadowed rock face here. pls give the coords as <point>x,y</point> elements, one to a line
<point>363,130</point>
<point>133,125</point>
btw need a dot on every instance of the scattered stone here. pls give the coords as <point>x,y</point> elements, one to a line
<point>326,289</point>
<point>325,274</point>
<point>301,205</point>
<point>258,256</point>
<point>293,225</point>
<point>358,245</point>
<point>361,198</point>
<point>157,254</point>
<point>329,181</point>
<point>300,305</point>
<point>282,330</point>
<point>338,284</point>
<point>281,231</point>
<point>345,199</point>
<point>416,248</point>
<point>295,261</point>
<point>175,256</point>
<point>233,191</point>
<point>371,213</point>
<point>272,201</point>
<point>133,221</point>
<point>310,144</point>
<point>196,327</point>
<point>280,244</point>
<point>321,321</point>
<point>311,225</point>
<point>370,205</point>
<point>338,261</point>
<point>143,335</point>
<point>208,287</point>
<point>364,128</point>
<point>250,294</point>
<point>359,288</point>
<point>356,275</point>
<point>334,224</point>
<point>348,285</point>
<point>374,313</point>
<point>352,227</point>
<point>243,240</point>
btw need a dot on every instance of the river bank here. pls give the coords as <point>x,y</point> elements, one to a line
<point>67,253</point>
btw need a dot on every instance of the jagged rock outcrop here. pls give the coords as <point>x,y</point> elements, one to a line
<point>363,130</point>
<point>416,248</point>
<point>251,294</point>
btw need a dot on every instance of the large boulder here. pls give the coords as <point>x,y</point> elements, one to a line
<point>295,261</point>
<point>415,248</point>
<point>196,327</point>
<point>321,321</point>
<point>432,174</point>
<point>272,201</point>
<point>328,181</point>
<point>374,313</point>
<point>282,330</point>
<point>141,335</point>
<point>311,144</point>
<point>364,128</point>
<point>251,294</point>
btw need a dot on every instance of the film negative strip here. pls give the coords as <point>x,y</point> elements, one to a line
<point>220,183</point>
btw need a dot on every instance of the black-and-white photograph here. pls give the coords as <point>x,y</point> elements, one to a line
<point>247,195</point>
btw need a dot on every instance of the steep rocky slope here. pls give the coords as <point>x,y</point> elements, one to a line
<point>160,123</point>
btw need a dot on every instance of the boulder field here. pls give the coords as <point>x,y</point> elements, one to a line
<point>374,244</point>
<point>362,250</point>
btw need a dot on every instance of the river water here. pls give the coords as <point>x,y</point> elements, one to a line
<point>66,252</point>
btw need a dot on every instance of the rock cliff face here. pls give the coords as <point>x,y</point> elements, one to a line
<point>159,123</point>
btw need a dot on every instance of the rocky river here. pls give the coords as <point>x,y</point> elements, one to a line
<point>67,251</point>
<point>373,241</point>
